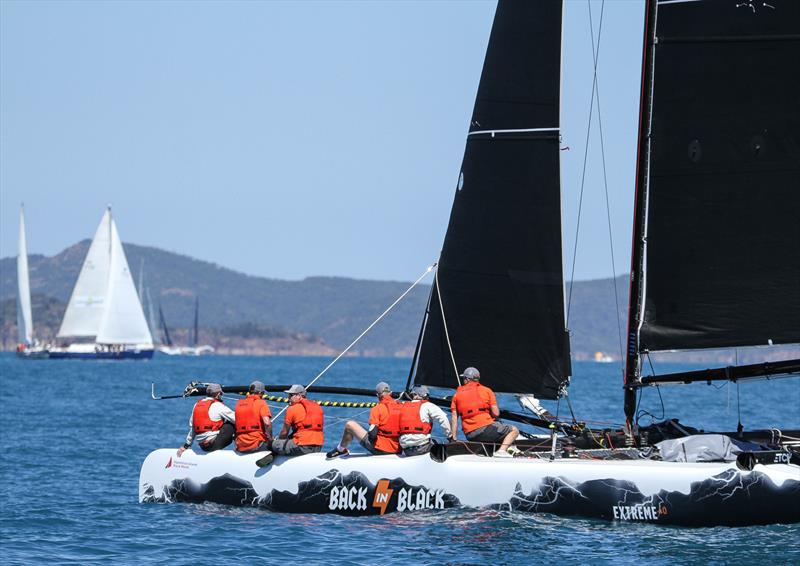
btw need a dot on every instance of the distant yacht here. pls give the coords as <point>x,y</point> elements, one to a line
<point>27,345</point>
<point>104,318</point>
<point>192,349</point>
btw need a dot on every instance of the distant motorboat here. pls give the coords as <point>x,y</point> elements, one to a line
<point>27,345</point>
<point>601,358</point>
<point>104,319</point>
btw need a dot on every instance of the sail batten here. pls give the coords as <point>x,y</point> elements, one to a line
<point>498,299</point>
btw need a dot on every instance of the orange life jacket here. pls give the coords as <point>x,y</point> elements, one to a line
<point>410,421</point>
<point>314,419</point>
<point>248,417</point>
<point>391,428</point>
<point>471,406</point>
<point>200,419</point>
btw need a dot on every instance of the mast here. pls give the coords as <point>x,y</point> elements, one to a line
<point>165,331</point>
<point>196,321</point>
<point>636,295</point>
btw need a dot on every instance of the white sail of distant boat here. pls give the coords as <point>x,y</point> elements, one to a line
<point>105,305</point>
<point>123,319</point>
<point>88,301</point>
<point>24,314</point>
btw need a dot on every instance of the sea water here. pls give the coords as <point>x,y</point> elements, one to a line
<point>76,433</point>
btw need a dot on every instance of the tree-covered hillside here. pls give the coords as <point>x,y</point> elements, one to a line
<point>331,309</point>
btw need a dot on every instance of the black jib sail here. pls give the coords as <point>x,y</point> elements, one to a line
<point>718,203</point>
<point>498,299</point>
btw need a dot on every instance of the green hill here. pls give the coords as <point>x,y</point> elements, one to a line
<point>329,310</point>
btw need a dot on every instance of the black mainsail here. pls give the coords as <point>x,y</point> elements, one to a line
<point>498,299</point>
<point>717,227</point>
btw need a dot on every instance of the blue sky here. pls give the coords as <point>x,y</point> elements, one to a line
<point>285,139</point>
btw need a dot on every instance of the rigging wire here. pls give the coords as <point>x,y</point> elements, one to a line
<point>444,324</point>
<point>595,56</point>
<point>605,182</point>
<point>376,321</point>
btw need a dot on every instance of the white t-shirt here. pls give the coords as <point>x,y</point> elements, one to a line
<point>216,412</point>
<point>428,412</point>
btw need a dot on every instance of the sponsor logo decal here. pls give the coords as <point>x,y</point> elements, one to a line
<point>384,498</point>
<point>783,458</point>
<point>641,512</point>
<point>169,464</point>
<point>383,494</point>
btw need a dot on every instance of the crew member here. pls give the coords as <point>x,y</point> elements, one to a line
<point>212,423</point>
<point>416,422</point>
<point>253,423</point>
<point>383,436</point>
<point>477,407</point>
<point>304,419</point>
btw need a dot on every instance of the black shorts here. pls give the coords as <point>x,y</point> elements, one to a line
<point>494,432</point>
<point>366,443</point>
<point>287,447</point>
<point>417,450</point>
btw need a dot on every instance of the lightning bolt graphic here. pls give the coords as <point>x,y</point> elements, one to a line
<point>383,494</point>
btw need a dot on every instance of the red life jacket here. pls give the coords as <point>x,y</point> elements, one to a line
<point>314,419</point>
<point>391,428</point>
<point>410,421</point>
<point>200,419</point>
<point>248,418</point>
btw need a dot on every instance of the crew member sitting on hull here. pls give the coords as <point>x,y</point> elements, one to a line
<point>416,422</point>
<point>305,420</point>
<point>477,407</point>
<point>254,424</point>
<point>383,436</point>
<point>212,422</point>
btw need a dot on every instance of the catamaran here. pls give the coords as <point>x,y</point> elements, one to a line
<point>27,345</point>
<point>716,263</point>
<point>104,317</point>
<point>193,349</point>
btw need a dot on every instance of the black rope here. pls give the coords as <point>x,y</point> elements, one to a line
<point>596,56</point>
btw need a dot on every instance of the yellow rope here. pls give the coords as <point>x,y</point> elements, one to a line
<point>346,404</point>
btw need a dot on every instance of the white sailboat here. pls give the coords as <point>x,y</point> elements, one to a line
<point>27,345</point>
<point>104,318</point>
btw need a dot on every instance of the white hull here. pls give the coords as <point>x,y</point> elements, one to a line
<point>697,494</point>
<point>186,350</point>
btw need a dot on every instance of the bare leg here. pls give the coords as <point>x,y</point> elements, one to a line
<point>352,429</point>
<point>510,437</point>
